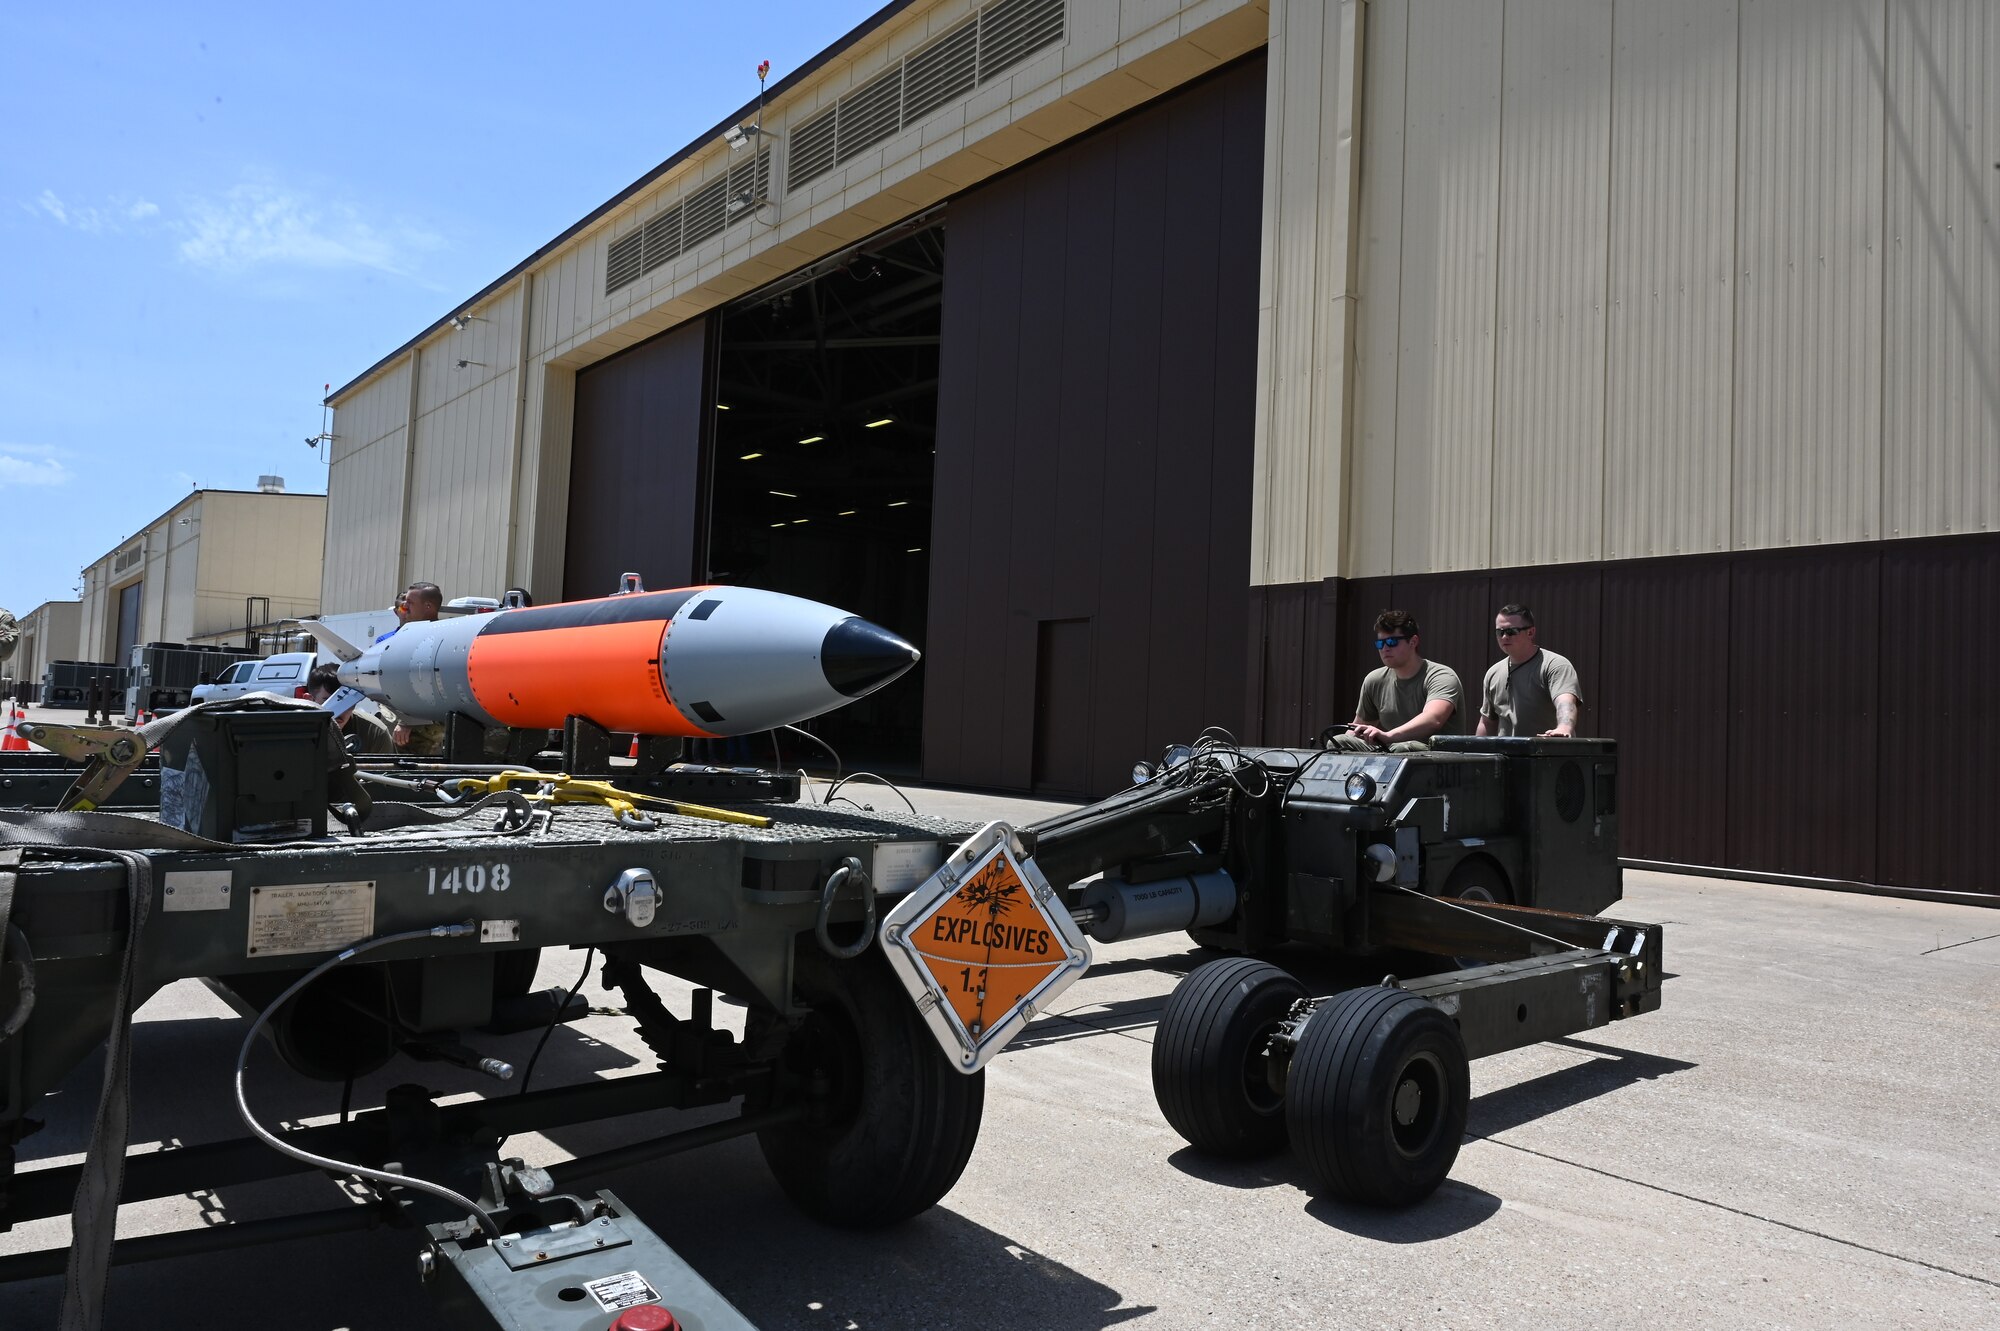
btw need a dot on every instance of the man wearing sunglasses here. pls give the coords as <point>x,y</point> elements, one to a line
<point>1529,691</point>
<point>1408,699</point>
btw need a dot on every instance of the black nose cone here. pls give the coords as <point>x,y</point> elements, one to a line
<point>859,657</point>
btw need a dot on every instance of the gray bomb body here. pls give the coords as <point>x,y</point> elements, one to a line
<point>693,661</point>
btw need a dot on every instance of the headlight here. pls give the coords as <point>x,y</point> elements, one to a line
<point>1141,773</point>
<point>1360,787</point>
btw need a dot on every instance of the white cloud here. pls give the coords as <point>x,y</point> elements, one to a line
<point>113,216</point>
<point>31,464</point>
<point>258,225</point>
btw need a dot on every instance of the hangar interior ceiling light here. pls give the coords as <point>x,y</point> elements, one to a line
<point>750,457</point>
<point>784,494</point>
<point>806,368</point>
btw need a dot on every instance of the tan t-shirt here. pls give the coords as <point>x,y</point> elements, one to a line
<point>1388,702</point>
<point>1522,699</point>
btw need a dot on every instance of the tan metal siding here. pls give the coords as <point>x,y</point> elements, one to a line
<point>1283,509</point>
<point>1809,264</point>
<point>1941,417</point>
<point>460,489</point>
<point>1668,332</point>
<point>1548,427</point>
<point>256,545</point>
<point>1372,467</point>
<point>364,514</point>
<point>553,403</point>
<point>365,494</point>
<point>1451,188</point>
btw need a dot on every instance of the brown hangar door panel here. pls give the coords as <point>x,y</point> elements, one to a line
<point>1062,707</point>
<point>636,465</point>
<point>1096,403</point>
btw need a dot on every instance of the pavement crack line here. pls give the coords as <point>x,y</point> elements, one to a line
<point>1949,946</point>
<point>1747,1215</point>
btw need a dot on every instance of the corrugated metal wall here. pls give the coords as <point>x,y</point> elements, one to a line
<point>1820,712</point>
<point>1941,472</point>
<point>1676,276</point>
<point>364,509</point>
<point>1095,401</point>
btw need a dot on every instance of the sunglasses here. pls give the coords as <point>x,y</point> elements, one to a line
<point>1384,644</point>
<point>1508,633</point>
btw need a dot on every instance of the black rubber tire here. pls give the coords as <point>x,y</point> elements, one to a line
<point>1479,878</point>
<point>1208,1076</point>
<point>1377,1097</point>
<point>900,1121</point>
<point>514,972</point>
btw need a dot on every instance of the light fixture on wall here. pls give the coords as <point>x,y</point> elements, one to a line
<point>462,321</point>
<point>742,136</point>
<point>480,363</point>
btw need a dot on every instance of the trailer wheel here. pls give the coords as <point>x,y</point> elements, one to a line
<point>1377,1097</point>
<point>897,1122</point>
<point>1209,1075</point>
<point>514,972</point>
<point>1479,879</point>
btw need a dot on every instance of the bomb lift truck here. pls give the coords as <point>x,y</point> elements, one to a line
<point>1483,861</point>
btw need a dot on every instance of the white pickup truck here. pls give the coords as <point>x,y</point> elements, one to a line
<point>284,675</point>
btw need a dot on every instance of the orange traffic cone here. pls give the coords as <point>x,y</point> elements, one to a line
<point>10,735</point>
<point>634,754</point>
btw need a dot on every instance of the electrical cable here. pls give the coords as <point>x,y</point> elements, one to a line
<point>556,1020</point>
<point>276,1143</point>
<point>823,744</point>
<point>856,776</point>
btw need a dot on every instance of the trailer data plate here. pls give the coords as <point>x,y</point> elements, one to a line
<point>982,946</point>
<point>310,917</point>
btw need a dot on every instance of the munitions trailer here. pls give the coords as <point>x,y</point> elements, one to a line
<point>883,960</point>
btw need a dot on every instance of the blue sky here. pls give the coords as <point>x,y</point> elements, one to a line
<point>208,212</point>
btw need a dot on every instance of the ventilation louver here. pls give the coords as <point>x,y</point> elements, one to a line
<point>1000,35</point>
<point>869,114</point>
<point>694,219</point>
<point>947,68</point>
<point>812,148</point>
<point>624,263</point>
<point>1012,30</point>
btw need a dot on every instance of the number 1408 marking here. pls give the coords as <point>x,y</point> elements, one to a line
<point>471,878</point>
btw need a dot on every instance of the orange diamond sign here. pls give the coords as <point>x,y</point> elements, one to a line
<point>982,945</point>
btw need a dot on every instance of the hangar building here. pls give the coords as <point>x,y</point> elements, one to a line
<point>49,632</point>
<point>1130,354</point>
<point>217,567</point>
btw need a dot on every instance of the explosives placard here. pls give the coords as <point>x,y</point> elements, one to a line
<point>983,946</point>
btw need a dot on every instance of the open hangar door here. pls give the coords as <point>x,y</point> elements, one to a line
<point>824,440</point>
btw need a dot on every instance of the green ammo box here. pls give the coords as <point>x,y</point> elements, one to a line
<point>252,775</point>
